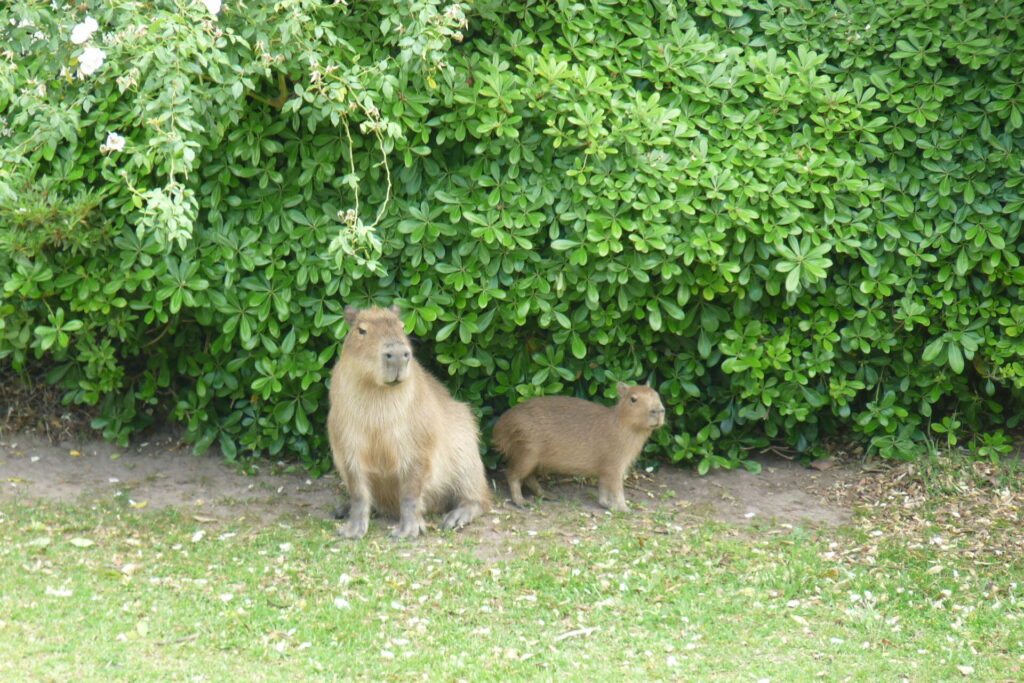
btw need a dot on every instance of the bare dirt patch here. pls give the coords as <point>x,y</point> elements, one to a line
<point>161,472</point>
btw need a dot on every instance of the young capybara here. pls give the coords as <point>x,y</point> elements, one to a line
<point>565,435</point>
<point>400,441</point>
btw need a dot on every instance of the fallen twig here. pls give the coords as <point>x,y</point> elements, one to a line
<point>586,631</point>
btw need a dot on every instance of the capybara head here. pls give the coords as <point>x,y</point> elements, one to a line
<point>377,344</point>
<point>642,406</point>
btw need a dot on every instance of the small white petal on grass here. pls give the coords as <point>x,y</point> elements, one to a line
<point>81,542</point>
<point>40,542</point>
<point>285,547</point>
<point>341,603</point>
<point>59,592</point>
<point>226,597</point>
<point>964,669</point>
<point>198,536</point>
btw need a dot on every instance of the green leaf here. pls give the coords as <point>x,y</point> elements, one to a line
<point>956,359</point>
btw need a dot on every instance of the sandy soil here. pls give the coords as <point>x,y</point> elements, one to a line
<point>161,472</point>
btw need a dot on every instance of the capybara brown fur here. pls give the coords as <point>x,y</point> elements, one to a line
<point>402,444</point>
<point>565,435</point>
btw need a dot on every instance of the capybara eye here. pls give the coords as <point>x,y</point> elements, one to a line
<point>362,330</point>
<point>632,399</point>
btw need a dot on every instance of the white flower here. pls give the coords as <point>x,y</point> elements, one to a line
<point>212,6</point>
<point>90,60</point>
<point>115,142</point>
<point>83,32</point>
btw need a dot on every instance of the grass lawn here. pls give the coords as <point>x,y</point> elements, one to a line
<point>113,593</point>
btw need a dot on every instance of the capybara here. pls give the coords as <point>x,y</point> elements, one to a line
<point>403,445</point>
<point>565,435</point>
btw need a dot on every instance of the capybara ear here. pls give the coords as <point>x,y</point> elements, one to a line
<point>622,388</point>
<point>396,309</point>
<point>350,315</point>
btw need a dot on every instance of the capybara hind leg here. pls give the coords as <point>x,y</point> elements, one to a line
<point>520,468</point>
<point>534,485</point>
<point>516,490</point>
<point>462,515</point>
<point>610,494</point>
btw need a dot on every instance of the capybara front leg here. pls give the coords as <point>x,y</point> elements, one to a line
<point>410,504</point>
<point>610,494</point>
<point>359,504</point>
<point>410,522</point>
<point>358,517</point>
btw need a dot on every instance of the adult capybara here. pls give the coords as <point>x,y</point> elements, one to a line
<point>565,435</point>
<point>401,442</point>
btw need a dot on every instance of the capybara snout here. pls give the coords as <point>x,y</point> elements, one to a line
<point>640,398</point>
<point>395,357</point>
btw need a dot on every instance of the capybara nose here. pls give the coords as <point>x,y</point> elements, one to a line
<point>396,356</point>
<point>658,416</point>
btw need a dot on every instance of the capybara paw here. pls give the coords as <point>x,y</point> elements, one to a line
<point>409,529</point>
<point>612,504</point>
<point>461,516</point>
<point>354,529</point>
<point>341,512</point>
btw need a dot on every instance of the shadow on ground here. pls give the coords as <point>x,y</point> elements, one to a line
<point>161,472</point>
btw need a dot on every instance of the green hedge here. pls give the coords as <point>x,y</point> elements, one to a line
<point>794,218</point>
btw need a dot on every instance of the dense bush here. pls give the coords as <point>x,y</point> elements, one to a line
<point>792,217</point>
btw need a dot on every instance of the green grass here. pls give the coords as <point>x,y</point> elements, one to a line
<point>153,598</point>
